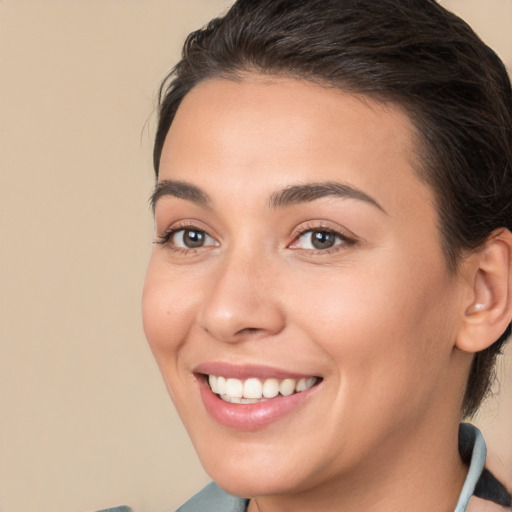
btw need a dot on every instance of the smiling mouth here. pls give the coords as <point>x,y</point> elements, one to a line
<point>254,390</point>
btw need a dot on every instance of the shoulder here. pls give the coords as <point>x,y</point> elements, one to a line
<point>212,499</point>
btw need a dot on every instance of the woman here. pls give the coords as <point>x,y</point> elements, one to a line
<point>331,277</point>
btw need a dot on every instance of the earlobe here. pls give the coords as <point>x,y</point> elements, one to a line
<point>490,310</point>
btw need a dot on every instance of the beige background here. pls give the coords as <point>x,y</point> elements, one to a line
<point>85,422</point>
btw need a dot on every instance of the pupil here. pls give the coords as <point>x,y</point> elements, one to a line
<point>323,240</point>
<point>193,239</point>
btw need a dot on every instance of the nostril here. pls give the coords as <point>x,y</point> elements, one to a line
<point>248,331</point>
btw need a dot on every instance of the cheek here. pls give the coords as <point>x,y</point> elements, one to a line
<point>386,332</point>
<point>167,312</point>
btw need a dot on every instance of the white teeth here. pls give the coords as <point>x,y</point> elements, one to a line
<point>254,390</point>
<point>302,385</point>
<point>235,400</point>
<point>221,385</point>
<point>212,380</point>
<point>287,387</point>
<point>234,388</point>
<point>270,388</point>
<point>305,383</point>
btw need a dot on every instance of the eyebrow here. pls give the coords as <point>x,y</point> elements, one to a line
<point>292,195</point>
<point>296,194</point>
<point>181,190</point>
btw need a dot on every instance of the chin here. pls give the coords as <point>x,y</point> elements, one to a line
<point>251,484</point>
<point>248,475</point>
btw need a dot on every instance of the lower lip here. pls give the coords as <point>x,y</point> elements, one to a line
<point>250,416</point>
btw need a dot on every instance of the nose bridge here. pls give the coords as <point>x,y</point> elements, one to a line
<point>240,301</point>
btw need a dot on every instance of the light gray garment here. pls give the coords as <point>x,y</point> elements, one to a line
<point>213,499</point>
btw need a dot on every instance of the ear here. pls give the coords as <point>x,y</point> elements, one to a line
<point>488,310</point>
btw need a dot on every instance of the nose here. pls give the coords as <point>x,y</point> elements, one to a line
<point>241,301</point>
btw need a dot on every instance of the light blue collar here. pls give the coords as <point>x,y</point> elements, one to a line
<point>478,456</point>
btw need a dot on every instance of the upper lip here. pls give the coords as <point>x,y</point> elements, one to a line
<point>247,371</point>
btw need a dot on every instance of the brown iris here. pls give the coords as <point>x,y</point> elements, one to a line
<point>193,238</point>
<point>322,239</point>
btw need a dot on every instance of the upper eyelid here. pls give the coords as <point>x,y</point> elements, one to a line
<point>164,239</point>
<point>347,237</point>
<point>323,225</point>
<point>185,224</point>
<point>176,229</point>
<point>319,228</point>
<point>344,238</point>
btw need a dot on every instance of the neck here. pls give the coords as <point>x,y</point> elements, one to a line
<point>421,470</point>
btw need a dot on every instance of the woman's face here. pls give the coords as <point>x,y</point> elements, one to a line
<point>297,251</point>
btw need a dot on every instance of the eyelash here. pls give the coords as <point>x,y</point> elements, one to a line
<point>167,236</point>
<point>345,241</point>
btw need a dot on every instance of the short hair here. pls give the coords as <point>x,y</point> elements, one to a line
<point>412,53</point>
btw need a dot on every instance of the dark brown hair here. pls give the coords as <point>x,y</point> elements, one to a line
<point>413,53</point>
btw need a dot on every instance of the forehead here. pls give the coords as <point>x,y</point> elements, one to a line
<point>291,105</point>
<point>264,133</point>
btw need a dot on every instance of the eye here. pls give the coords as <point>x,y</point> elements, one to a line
<point>191,238</point>
<point>319,240</point>
<point>186,238</point>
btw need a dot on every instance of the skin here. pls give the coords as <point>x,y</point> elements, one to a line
<point>377,317</point>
